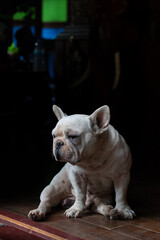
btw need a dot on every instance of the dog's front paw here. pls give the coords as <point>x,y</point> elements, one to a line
<point>36,215</point>
<point>73,212</point>
<point>126,213</point>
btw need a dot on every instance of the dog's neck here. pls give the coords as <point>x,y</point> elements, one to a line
<point>89,159</point>
<point>94,160</point>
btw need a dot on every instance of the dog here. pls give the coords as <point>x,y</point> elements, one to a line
<point>97,169</point>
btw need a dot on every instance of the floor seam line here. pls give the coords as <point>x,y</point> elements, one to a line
<point>148,229</point>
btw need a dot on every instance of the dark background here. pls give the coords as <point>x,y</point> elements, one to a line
<point>84,76</point>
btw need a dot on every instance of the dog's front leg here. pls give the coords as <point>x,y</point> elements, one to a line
<point>52,195</point>
<point>79,185</point>
<point>121,210</point>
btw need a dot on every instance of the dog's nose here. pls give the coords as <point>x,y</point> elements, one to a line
<point>59,143</point>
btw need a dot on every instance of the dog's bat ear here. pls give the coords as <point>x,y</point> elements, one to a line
<point>100,119</point>
<point>58,112</point>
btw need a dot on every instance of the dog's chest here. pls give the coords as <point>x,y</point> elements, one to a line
<point>98,184</point>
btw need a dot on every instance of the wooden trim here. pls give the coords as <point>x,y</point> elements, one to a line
<point>54,24</point>
<point>34,228</point>
<point>30,228</point>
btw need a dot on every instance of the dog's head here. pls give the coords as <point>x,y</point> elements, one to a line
<point>75,136</point>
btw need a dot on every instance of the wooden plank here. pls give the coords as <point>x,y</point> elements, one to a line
<point>101,221</point>
<point>138,232</point>
<point>147,223</point>
<point>85,230</point>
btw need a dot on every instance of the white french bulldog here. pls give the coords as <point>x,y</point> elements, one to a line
<point>98,167</point>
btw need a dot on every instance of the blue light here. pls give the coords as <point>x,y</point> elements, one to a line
<point>47,33</point>
<point>51,33</point>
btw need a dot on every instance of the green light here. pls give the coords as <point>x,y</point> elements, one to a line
<point>54,10</point>
<point>19,15</point>
<point>12,49</point>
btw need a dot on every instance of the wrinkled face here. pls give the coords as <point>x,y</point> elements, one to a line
<point>75,137</point>
<point>70,136</point>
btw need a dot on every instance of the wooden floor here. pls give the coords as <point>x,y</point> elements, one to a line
<point>144,196</point>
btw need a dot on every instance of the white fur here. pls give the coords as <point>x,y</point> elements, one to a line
<point>98,164</point>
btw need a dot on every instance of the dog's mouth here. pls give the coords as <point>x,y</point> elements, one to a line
<point>61,157</point>
<point>66,155</point>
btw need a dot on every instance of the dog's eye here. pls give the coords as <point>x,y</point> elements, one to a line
<point>72,137</point>
<point>54,136</point>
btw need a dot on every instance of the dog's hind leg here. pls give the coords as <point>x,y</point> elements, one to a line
<point>101,206</point>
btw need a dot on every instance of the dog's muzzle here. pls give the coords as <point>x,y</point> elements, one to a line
<point>64,153</point>
<point>59,143</point>
<point>58,146</point>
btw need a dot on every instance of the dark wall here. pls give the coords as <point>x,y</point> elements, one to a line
<point>132,29</point>
<point>26,119</point>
